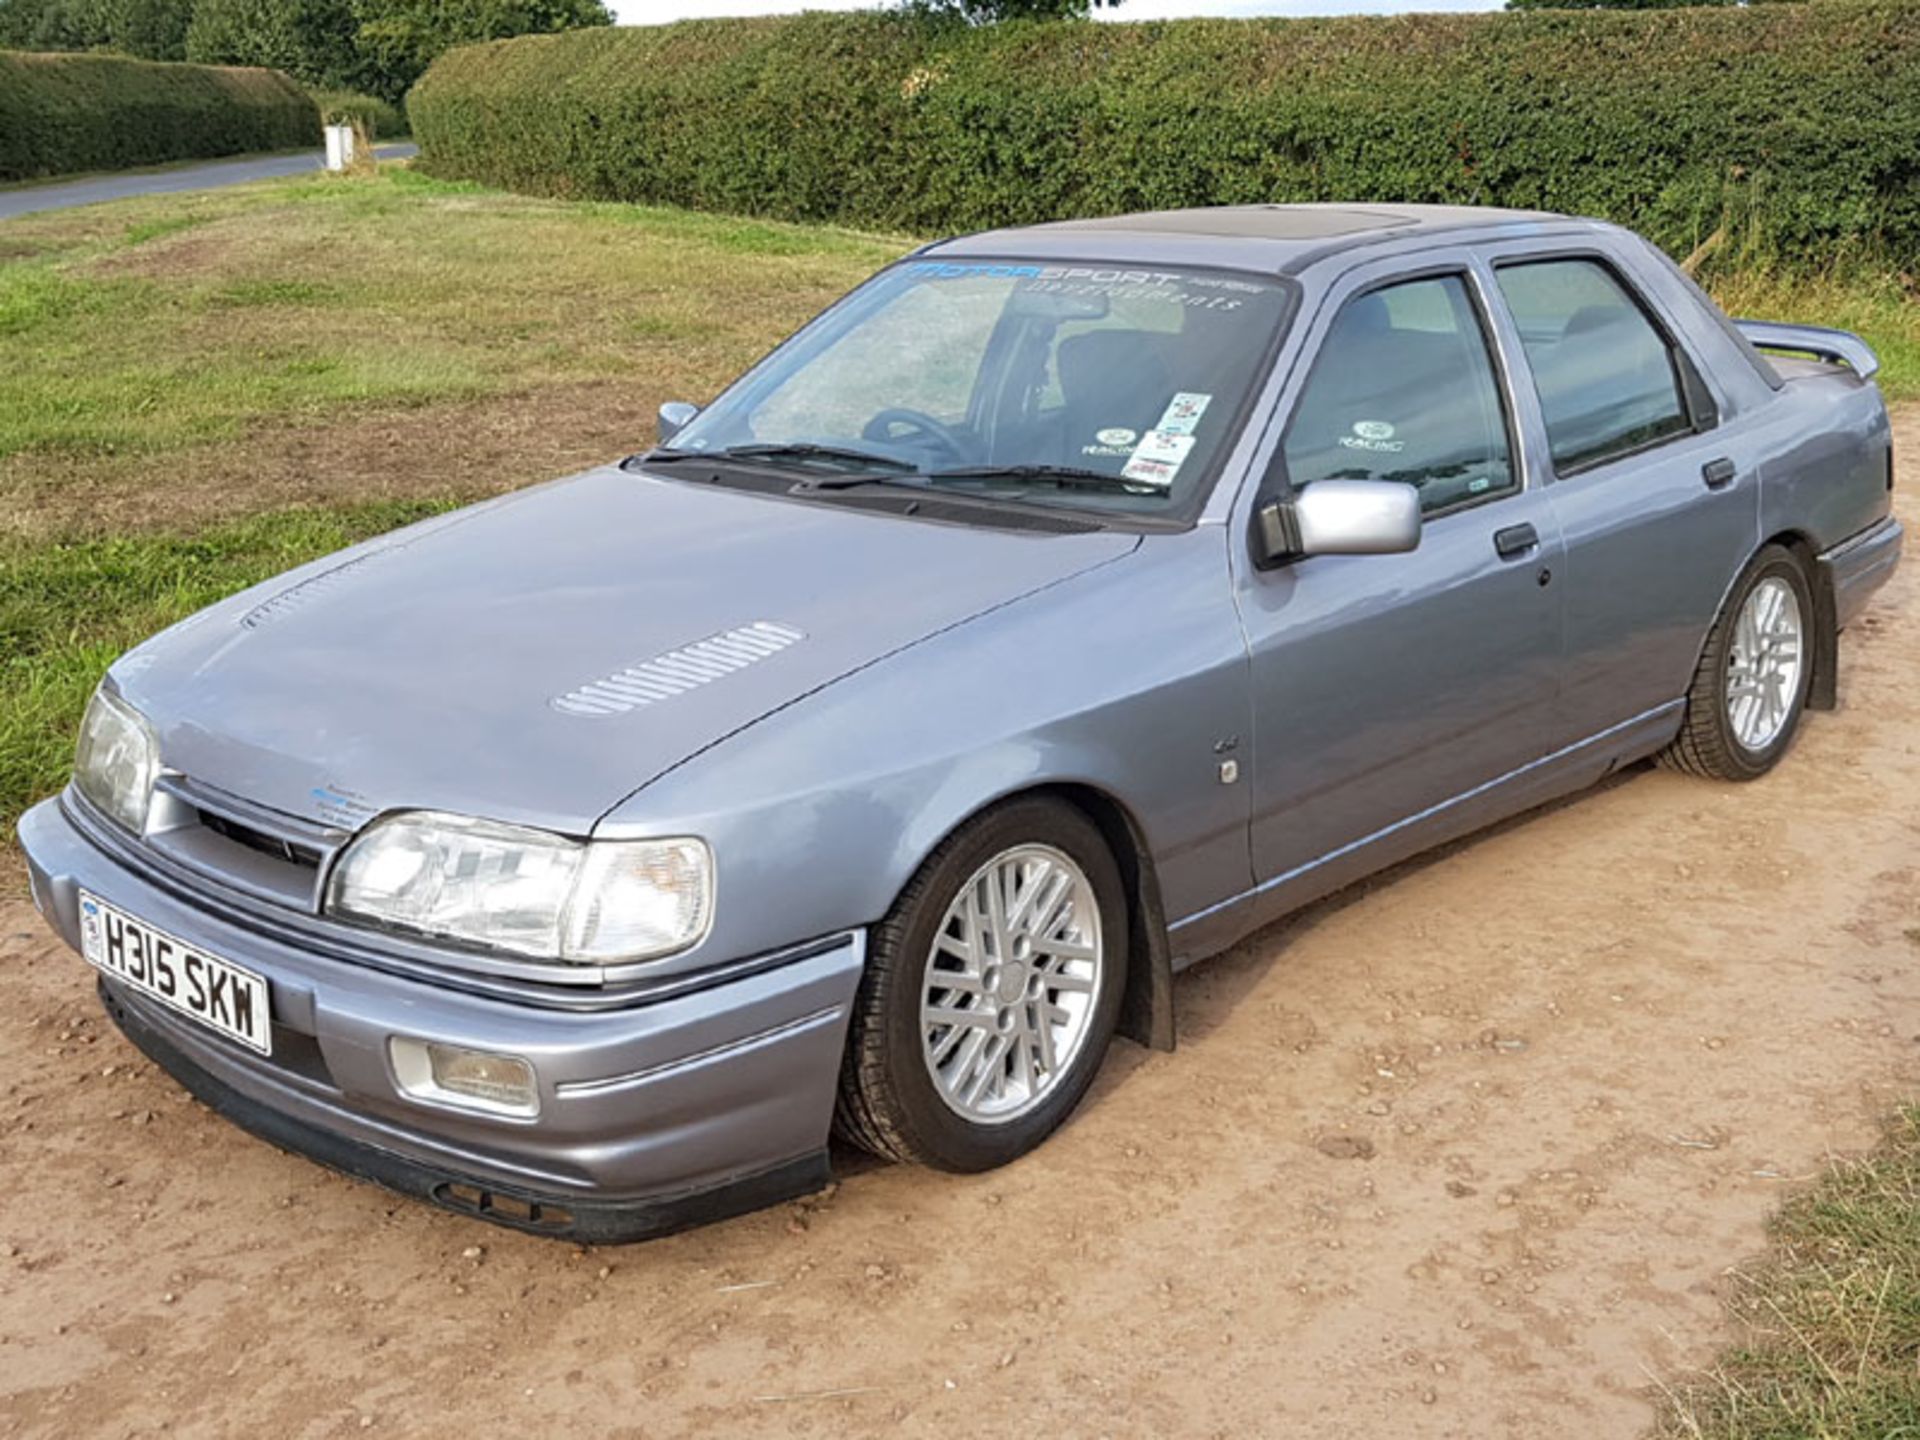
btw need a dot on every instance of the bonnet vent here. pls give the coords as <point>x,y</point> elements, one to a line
<point>679,671</point>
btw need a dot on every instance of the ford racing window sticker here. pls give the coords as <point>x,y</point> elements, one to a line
<point>1112,442</point>
<point>1374,435</point>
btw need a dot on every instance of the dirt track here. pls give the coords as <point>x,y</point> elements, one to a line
<point>1462,1153</point>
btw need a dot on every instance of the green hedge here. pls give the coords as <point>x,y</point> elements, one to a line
<point>62,113</point>
<point>384,120</point>
<point>1796,127</point>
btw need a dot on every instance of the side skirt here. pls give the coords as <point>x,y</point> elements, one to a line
<point>1576,766</point>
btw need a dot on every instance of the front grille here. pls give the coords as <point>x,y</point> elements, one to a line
<point>264,842</point>
<point>264,853</point>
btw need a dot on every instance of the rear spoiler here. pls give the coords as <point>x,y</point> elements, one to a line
<point>1837,347</point>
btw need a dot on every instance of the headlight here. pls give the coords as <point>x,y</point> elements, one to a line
<point>525,891</point>
<point>118,759</point>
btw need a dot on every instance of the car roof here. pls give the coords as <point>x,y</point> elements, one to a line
<point>1281,239</point>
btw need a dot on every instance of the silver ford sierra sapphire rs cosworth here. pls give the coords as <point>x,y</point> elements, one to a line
<point>1056,609</point>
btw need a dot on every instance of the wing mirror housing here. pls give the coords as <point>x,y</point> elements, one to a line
<point>674,417</point>
<point>1337,517</point>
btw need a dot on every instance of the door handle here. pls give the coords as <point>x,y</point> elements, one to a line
<point>1515,540</point>
<point>1718,473</point>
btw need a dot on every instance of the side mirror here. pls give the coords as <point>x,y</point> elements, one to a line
<point>674,417</point>
<point>1338,517</point>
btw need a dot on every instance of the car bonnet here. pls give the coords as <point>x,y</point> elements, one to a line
<point>536,659</point>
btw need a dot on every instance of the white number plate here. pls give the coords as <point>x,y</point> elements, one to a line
<point>217,993</point>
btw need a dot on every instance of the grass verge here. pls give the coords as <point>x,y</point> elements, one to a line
<point>1829,1320</point>
<point>176,334</point>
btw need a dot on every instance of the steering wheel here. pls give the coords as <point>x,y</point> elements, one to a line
<point>883,426</point>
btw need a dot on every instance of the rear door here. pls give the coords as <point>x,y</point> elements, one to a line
<point>1655,496</point>
<point>1387,686</point>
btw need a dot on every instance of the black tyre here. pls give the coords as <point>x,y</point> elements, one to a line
<point>1751,686</point>
<point>991,992</point>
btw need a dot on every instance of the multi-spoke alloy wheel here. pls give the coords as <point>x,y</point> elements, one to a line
<point>991,991</point>
<point>1763,665</point>
<point>1009,986</point>
<point>1750,685</point>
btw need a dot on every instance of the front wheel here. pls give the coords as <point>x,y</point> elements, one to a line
<point>1751,685</point>
<point>991,992</point>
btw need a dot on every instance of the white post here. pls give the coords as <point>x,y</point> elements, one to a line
<point>339,147</point>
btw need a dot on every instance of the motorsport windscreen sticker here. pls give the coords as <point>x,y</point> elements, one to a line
<point>1158,458</point>
<point>1206,292</point>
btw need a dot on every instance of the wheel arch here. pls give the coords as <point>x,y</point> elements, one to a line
<point>1823,688</point>
<point>1146,1009</point>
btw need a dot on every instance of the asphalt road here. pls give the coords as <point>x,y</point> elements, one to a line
<point>215,173</point>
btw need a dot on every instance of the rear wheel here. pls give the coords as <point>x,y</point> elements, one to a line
<point>1751,685</point>
<point>991,992</point>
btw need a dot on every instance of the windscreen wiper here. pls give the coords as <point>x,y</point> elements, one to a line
<point>1061,477</point>
<point>661,455</point>
<point>805,450</point>
<point>775,454</point>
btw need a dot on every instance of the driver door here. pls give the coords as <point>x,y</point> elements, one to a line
<point>1393,693</point>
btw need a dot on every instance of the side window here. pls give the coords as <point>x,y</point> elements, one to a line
<point>1404,389</point>
<point>1607,379</point>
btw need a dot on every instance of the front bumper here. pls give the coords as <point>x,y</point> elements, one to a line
<point>652,1117</point>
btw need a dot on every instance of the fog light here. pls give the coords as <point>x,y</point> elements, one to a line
<point>471,1079</point>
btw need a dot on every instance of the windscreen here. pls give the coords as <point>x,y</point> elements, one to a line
<point>1079,384</point>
